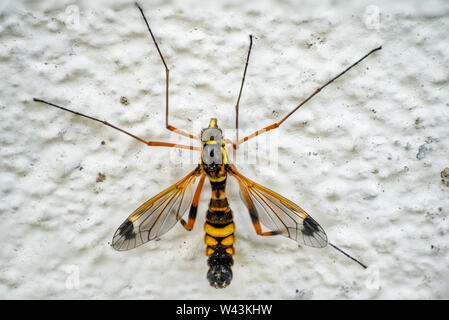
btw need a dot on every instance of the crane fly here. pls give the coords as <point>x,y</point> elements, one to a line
<point>266,208</point>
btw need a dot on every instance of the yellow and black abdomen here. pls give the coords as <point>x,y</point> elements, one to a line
<point>219,237</point>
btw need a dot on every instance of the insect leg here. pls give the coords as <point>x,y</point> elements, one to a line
<point>241,88</point>
<point>167,81</point>
<point>258,227</point>
<point>277,124</point>
<point>250,205</point>
<point>194,207</point>
<point>346,254</point>
<point>149,143</point>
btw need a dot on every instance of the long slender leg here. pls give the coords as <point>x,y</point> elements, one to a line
<point>249,203</point>
<point>258,228</point>
<point>346,254</point>
<point>194,207</point>
<point>241,88</point>
<point>149,143</point>
<point>167,82</point>
<point>277,124</point>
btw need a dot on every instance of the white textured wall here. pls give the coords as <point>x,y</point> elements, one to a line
<point>351,157</point>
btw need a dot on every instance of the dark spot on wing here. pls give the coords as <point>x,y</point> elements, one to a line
<point>127,230</point>
<point>310,226</point>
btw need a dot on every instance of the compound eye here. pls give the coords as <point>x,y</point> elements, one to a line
<point>211,134</point>
<point>212,154</point>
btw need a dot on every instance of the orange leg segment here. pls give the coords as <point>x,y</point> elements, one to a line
<point>258,228</point>
<point>149,143</point>
<point>167,82</point>
<point>194,207</point>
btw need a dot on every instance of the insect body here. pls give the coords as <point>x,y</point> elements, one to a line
<point>159,214</point>
<point>219,225</point>
<point>266,208</point>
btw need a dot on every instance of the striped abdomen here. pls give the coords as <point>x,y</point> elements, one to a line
<point>219,237</point>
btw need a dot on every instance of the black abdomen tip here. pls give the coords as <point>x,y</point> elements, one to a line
<point>219,276</point>
<point>220,263</point>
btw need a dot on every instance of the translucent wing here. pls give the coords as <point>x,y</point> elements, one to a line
<point>156,216</point>
<point>279,214</point>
